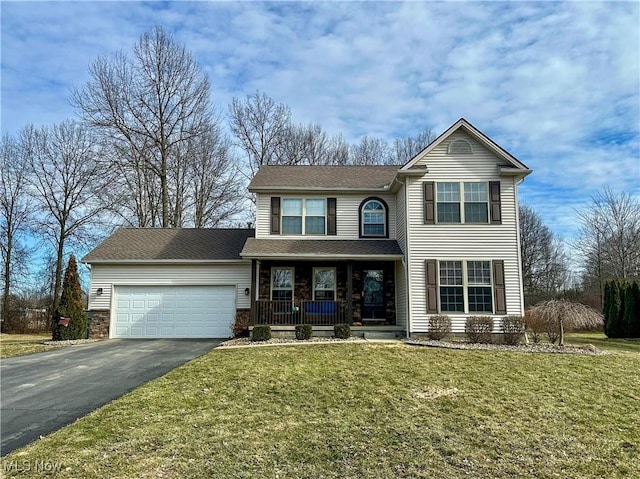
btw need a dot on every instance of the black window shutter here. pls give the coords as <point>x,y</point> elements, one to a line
<point>275,215</point>
<point>429,203</point>
<point>331,216</point>
<point>431,278</point>
<point>494,203</point>
<point>499,287</point>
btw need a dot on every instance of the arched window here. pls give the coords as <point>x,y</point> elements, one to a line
<point>373,218</point>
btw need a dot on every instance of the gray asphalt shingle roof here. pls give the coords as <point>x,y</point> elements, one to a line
<point>327,177</point>
<point>157,244</point>
<point>326,248</point>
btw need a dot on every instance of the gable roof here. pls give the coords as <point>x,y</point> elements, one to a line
<point>335,177</point>
<point>329,249</point>
<point>170,244</point>
<point>511,161</point>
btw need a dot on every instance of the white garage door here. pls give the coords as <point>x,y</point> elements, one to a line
<point>173,311</point>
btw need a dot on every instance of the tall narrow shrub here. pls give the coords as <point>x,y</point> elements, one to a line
<point>71,307</point>
<point>631,313</point>
<point>606,304</point>
<point>612,315</point>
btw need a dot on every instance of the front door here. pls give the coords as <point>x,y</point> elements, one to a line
<point>373,307</point>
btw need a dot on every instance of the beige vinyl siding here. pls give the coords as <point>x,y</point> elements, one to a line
<point>401,219</point>
<point>401,295</point>
<point>106,276</point>
<point>347,207</point>
<point>459,241</point>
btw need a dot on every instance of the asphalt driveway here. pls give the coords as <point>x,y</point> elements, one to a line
<point>40,393</point>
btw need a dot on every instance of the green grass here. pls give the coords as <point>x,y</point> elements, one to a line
<point>20,344</point>
<point>363,411</point>
<point>600,341</point>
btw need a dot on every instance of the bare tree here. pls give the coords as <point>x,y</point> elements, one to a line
<point>149,105</point>
<point>609,237</point>
<point>67,179</point>
<point>544,265</point>
<point>15,216</point>
<point>215,193</point>
<point>406,148</point>
<point>259,126</point>
<point>371,151</point>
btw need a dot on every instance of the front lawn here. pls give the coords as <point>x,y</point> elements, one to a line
<point>19,344</point>
<point>600,341</point>
<point>362,411</point>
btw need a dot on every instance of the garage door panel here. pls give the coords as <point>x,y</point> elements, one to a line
<point>173,311</point>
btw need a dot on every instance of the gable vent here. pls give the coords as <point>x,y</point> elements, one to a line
<point>460,147</point>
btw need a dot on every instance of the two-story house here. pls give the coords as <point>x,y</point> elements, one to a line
<point>379,247</point>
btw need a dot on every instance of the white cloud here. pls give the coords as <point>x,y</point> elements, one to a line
<point>557,84</point>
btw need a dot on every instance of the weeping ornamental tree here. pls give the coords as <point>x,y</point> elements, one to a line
<point>566,315</point>
<point>70,317</point>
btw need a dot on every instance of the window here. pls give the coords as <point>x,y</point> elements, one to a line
<point>475,202</point>
<point>282,280</point>
<point>292,216</point>
<point>451,288</point>
<point>315,217</point>
<point>304,216</point>
<point>448,199</point>
<point>373,218</point>
<point>476,290</point>
<point>324,284</point>
<point>479,289</point>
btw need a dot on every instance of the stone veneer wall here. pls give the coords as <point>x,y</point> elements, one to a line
<point>99,328</point>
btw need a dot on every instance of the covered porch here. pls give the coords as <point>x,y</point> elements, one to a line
<point>321,288</point>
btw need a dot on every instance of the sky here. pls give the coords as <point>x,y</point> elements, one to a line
<point>556,84</point>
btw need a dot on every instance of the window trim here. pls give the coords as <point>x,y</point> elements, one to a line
<point>293,282</point>
<point>461,203</point>
<point>335,283</point>
<point>466,285</point>
<point>304,215</point>
<point>385,207</point>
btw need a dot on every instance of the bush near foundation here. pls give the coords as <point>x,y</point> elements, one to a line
<point>261,332</point>
<point>304,332</point>
<point>342,331</point>
<point>479,328</point>
<point>512,329</point>
<point>439,327</point>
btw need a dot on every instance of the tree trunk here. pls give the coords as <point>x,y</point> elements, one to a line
<point>58,278</point>
<point>7,280</point>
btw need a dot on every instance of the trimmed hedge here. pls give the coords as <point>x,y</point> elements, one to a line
<point>304,332</point>
<point>479,328</point>
<point>439,326</point>
<point>512,329</point>
<point>342,331</point>
<point>261,332</point>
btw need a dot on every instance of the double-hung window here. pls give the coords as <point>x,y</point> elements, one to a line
<point>451,286</point>
<point>324,284</point>
<point>469,207</point>
<point>465,286</point>
<point>304,216</point>
<point>479,287</point>
<point>282,280</point>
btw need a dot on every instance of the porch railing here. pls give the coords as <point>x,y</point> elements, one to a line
<point>289,313</point>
